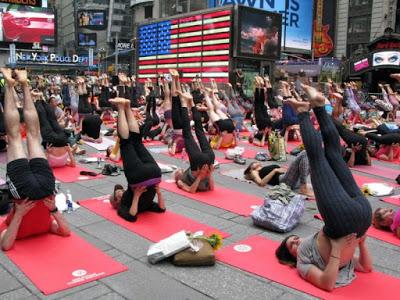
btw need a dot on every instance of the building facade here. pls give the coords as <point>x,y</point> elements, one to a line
<point>361,21</point>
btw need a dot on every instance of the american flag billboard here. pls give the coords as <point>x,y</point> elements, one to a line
<point>196,45</point>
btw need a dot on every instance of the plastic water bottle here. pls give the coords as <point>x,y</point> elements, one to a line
<point>69,202</point>
<point>237,135</point>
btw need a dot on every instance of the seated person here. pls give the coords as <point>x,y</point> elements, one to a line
<point>141,170</point>
<point>199,176</point>
<point>295,177</point>
<point>60,156</point>
<point>27,179</point>
<point>387,219</point>
<point>91,126</point>
<point>327,258</point>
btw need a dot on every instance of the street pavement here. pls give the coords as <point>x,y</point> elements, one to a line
<point>163,280</point>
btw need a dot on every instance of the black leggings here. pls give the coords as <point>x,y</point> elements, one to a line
<point>176,113</point>
<point>84,106</point>
<point>263,120</point>
<point>138,163</point>
<point>198,156</point>
<point>271,99</point>
<point>386,139</point>
<point>343,207</point>
<point>50,130</point>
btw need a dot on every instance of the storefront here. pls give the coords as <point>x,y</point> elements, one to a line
<point>44,63</point>
<point>382,59</point>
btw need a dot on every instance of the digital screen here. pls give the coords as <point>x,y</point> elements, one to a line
<point>297,19</point>
<point>259,34</point>
<point>197,45</point>
<point>92,19</point>
<point>27,24</point>
<point>361,65</point>
<point>386,58</point>
<point>87,39</point>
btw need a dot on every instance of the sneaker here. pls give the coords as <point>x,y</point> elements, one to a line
<point>262,156</point>
<point>239,160</point>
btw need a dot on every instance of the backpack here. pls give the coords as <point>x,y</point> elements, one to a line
<point>277,216</point>
<point>277,147</point>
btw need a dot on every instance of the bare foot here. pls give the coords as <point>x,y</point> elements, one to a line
<point>316,99</point>
<point>22,76</point>
<point>396,76</point>
<point>186,99</point>
<point>7,73</point>
<point>174,73</point>
<point>299,106</point>
<point>119,101</point>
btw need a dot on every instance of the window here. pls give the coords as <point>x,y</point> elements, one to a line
<point>359,24</point>
<point>360,3</point>
<point>148,12</point>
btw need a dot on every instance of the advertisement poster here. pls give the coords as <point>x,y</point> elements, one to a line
<point>259,34</point>
<point>92,19</point>
<point>297,19</point>
<point>386,58</point>
<point>37,3</point>
<point>26,24</point>
<point>324,27</point>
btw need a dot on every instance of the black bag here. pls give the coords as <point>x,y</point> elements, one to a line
<point>110,170</point>
<point>398,179</point>
<point>5,201</point>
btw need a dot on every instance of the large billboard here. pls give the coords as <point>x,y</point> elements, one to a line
<point>27,24</point>
<point>258,34</point>
<point>324,27</point>
<point>197,45</point>
<point>297,20</point>
<point>92,19</point>
<point>37,3</point>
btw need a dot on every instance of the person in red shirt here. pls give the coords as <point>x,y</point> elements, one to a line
<point>29,177</point>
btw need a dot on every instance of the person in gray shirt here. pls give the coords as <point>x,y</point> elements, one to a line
<point>327,258</point>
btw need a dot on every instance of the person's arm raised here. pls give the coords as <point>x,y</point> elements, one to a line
<point>326,279</point>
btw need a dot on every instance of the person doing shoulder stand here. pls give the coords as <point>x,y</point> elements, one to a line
<point>30,179</point>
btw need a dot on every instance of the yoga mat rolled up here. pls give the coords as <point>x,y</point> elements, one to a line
<point>256,255</point>
<point>150,225</point>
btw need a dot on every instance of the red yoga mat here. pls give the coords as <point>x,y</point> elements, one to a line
<point>378,171</point>
<point>257,255</point>
<point>392,200</point>
<point>153,143</point>
<point>54,263</point>
<point>230,200</point>
<point>382,235</point>
<point>72,174</point>
<point>185,157</point>
<point>360,180</point>
<point>150,225</point>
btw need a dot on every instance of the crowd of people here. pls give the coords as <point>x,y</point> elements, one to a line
<point>338,125</point>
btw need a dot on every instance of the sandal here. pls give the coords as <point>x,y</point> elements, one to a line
<point>88,173</point>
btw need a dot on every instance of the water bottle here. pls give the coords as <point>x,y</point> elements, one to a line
<point>237,135</point>
<point>69,202</point>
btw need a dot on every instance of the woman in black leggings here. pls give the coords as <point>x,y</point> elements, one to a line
<point>262,119</point>
<point>327,259</point>
<point>141,170</point>
<point>199,176</point>
<point>356,152</point>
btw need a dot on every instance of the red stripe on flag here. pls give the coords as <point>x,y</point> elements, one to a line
<point>189,39</point>
<point>188,59</point>
<point>167,61</point>
<point>190,70</point>
<point>163,71</point>
<point>190,29</point>
<point>190,19</point>
<point>216,47</point>
<point>217,25</point>
<point>216,58</point>
<point>215,69</point>
<point>174,31</point>
<point>174,22</point>
<point>147,62</point>
<point>190,49</point>
<point>148,71</point>
<point>217,14</point>
<point>216,36</point>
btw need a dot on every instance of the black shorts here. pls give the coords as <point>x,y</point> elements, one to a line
<point>31,179</point>
<point>225,125</point>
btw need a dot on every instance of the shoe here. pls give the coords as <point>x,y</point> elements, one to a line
<point>239,160</point>
<point>262,156</point>
<point>88,173</point>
